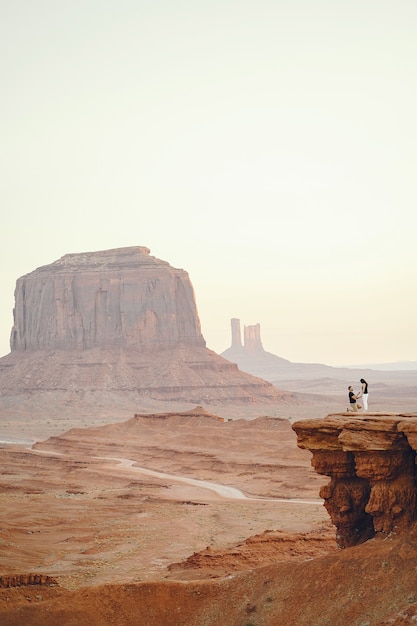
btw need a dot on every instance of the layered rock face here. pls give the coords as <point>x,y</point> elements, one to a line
<point>117,321</point>
<point>122,297</point>
<point>371,461</point>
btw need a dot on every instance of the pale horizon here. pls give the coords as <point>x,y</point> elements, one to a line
<point>268,150</point>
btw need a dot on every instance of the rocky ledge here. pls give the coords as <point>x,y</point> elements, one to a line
<point>371,461</point>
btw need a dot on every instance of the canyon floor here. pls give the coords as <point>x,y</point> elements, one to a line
<point>125,501</point>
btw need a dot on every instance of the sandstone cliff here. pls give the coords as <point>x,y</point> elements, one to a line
<point>371,461</point>
<point>122,297</point>
<point>93,325</point>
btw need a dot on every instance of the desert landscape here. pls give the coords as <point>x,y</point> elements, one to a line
<point>127,501</point>
<point>186,518</point>
<point>146,479</point>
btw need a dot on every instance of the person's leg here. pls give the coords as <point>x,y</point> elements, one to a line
<point>365,401</point>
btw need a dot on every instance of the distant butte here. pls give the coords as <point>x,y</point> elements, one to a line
<point>116,322</point>
<point>110,299</point>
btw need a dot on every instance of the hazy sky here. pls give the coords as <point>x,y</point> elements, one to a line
<point>268,148</point>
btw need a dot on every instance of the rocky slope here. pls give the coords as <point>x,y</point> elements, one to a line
<point>373,584</point>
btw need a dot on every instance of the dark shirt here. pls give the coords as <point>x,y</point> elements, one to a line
<point>351,399</point>
<point>366,388</point>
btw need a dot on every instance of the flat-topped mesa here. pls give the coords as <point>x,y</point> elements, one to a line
<point>371,461</point>
<point>122,324</point>
<point>111,298</point>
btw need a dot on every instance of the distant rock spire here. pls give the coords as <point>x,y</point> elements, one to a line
<point>236,336</point>
<point>252,338</point>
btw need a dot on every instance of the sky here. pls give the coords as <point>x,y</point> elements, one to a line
<point>267,148</point>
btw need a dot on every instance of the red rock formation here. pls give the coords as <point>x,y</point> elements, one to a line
<point>252,338</point>
<point>24,580</point>
<point>236,336</point>
<point>116,321</point>
<point>197,412</point>
<point>122,297</point>
<point>371,461</point>
<point>251,356</point>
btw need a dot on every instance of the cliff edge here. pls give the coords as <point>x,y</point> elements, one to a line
<point>371,461</point>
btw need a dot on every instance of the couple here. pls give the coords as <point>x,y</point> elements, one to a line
<point>353,398</point>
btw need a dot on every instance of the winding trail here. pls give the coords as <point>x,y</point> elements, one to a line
<point>225,491</point>
<point>222,490</point>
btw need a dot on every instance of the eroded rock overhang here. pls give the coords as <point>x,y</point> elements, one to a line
<point>371,461</point>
